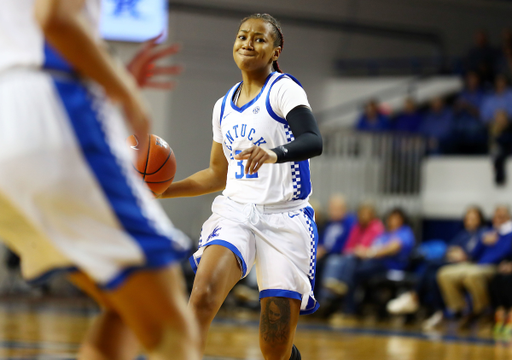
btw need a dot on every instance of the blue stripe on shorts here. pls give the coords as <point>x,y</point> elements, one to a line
<point>158,249</point>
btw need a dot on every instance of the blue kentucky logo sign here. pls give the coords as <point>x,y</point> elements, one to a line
<point>126,6</point>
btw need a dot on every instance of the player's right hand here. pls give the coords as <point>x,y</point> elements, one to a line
<point>143,67</point>
<point>136,113</point>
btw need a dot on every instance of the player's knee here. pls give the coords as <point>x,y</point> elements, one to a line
<point>205,301</point>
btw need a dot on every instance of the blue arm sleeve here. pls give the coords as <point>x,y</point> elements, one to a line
<point>308,141</point>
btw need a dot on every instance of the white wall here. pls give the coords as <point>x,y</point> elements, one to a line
<point>183,116</point>
<point>451,184</point>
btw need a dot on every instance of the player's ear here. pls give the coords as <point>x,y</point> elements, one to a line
<point>277,53</point>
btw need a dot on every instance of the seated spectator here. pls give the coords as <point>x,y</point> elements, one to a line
<point>500,99</point>
<point>492,247</point>
<point>426,292</point>
<point>339,267</point>
<point>500,143</point>
<point>469,133</point>
<point>366,230</point>
<point>390,251</point>
<point>437,126</point>
<point>471,98</point>
<point>335,233</point>
<point>482,57</point>
<point>372,119</point>
<point>409,120</point>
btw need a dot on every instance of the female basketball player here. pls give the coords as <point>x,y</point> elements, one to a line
<point>68,199</point>
<point>263,135</point>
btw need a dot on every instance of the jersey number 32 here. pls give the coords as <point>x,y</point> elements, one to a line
<point>242,174</point>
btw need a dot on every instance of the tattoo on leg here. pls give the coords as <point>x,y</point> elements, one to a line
<point>275,320</point>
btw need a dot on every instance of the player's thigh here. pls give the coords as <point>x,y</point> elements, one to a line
<point>226,254</point>
<point>148,301</point>
<point>217,273</point>
<point>87,285</point>
<point>151,301</point>
<point>278,322</point>
<point>220,231</point>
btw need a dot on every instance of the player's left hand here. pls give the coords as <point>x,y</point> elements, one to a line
<point>256,157</point>
<point>143,67</point>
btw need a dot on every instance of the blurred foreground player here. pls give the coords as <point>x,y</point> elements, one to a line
<point>69,199</point>
<point>263,136</point>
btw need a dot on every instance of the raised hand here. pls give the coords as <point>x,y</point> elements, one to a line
<point>144,69</point>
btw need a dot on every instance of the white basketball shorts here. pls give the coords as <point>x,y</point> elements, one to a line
<point>281,240</point>
<point>69,197</point>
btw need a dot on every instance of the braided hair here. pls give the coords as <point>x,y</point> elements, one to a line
<point>277,32</point>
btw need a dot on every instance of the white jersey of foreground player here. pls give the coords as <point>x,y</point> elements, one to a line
<point>22,41</point>
<point>69,198</point>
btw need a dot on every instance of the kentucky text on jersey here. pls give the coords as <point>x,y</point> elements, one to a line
<point>240,131</point>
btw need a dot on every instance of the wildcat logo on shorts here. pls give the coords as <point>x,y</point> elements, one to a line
<point>214,233</point>
<point>256,110</point>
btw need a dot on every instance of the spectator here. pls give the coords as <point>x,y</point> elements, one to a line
<point>337,228</point>
<point>336,231</point>
<point>372,119</point>
<point>390,251</point>
<point>482,57</point>
<point>437,126</point>
<point>493,246</point>
<point>427,290</point>
<point>500,143</point>
<point>409,120</point>
<point>367,229</point>
<point>471,98</point>
<point>469,133</point>
<point>501,99</point>
<point>339,268</point>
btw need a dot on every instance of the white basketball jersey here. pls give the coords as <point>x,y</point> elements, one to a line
<point>257,123</point>
<point>21,40</point>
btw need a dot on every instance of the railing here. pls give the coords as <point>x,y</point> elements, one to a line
<point>383,168</point>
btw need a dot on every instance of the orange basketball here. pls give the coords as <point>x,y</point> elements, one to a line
<point>159,166</point>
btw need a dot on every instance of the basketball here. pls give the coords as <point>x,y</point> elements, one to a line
<point>160,165</point>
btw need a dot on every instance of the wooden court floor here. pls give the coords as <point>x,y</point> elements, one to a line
<point>53,329</point>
